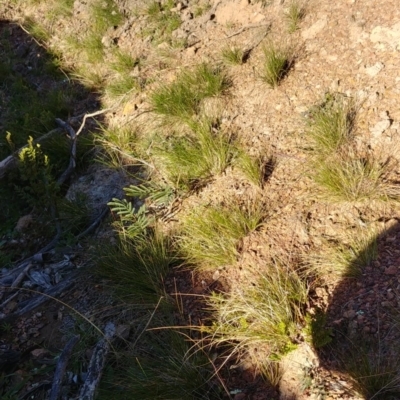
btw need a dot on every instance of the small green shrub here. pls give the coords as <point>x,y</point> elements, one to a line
<point>317,332</point>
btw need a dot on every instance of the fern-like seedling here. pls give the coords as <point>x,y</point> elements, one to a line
<point>133,222</point>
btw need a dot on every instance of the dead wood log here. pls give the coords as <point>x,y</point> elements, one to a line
<point>61,367</point>
<point>97,363</point>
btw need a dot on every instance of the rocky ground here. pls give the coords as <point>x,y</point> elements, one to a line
<point>348,46</point>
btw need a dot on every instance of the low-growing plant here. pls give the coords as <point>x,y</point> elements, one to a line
<point>256,169</point>
<point>331,124</point>
<point>232,55</point>
<point>105,14</point>
<point>122,85</point>
<point>191,160</point>
<point>38,31</point>
<point>124,63</point>
<point>162,21</point>
<point>137,266</point>
<point>316,331</point>
<point>180,100</point>
<point>294,15</point>
<point>277,62</point>
<point>348,178</point>
<point>210,235</point>
<point>164,367</point>
<point>344,258</point>
<point>261,317</point>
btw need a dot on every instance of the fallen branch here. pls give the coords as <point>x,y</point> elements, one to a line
<point>61,367</point>
<point>245,28</point>
<point>97,363</point>
<point>37,301</point>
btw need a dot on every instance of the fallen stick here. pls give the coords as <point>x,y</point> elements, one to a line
<point>61,367</point>
<point>97,363</point>
<point>37,301</point>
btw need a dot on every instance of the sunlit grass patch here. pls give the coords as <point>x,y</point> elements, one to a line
<point>345,257</point>
<point>211,235</point>
<point>349,178</point>
<point>232,55</point>
<point>278,59</point>
<point>256,169</point>
<point>259,318</point>
<point>294,15</point>
<point>192,159</point>
<point>332,124</point>
<point>180,100</point>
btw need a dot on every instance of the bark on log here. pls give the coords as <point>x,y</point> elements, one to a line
<point>97,363</point>
<point>61,367</point>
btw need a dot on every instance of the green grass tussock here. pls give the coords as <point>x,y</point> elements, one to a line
<point>180,100</point>
<point>210,236</point>
<point>260,318</point>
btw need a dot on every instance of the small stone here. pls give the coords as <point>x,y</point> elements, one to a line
<point>23,223</point>
<point>39,353</point>
<point>392,270</point>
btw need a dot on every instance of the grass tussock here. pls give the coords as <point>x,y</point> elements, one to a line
<point>278,60</point>
<point>210,236</point>
<point>332,124</point>
<point>256,169</point>
<point>347,257</point>
<point>346,178</point>
<point>295,14</point>
<point>137,266</point>
<point>232,55</point>
<point>180,100</point>
<point>189,161</point>
<point>162,366</point>
<point>259,319</point>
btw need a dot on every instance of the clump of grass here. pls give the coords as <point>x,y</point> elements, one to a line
<point>38,31</point>
<point>294,15</point>
<point>121,86</point>
<point>277,62</point>
<point>163,367</point>
<point>180,100</point>
<point>105,14</point>
<point>344,258</point>
<point>162,21</point>
<point>350,179</point>
<point>374,365</point>
<point>233,55</point>
<point>332,124</point>
<point>137,267</point>
<point>191,160</point>
<point>124,63</point>
<point>317,333</point>
<point>210,236</point>
<point>259,318</point>
<point>256,169</point>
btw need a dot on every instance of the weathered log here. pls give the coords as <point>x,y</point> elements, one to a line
<point>61,367</point>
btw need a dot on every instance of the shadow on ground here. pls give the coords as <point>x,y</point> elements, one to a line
<point>364,317</point>
<point>34,91</point>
